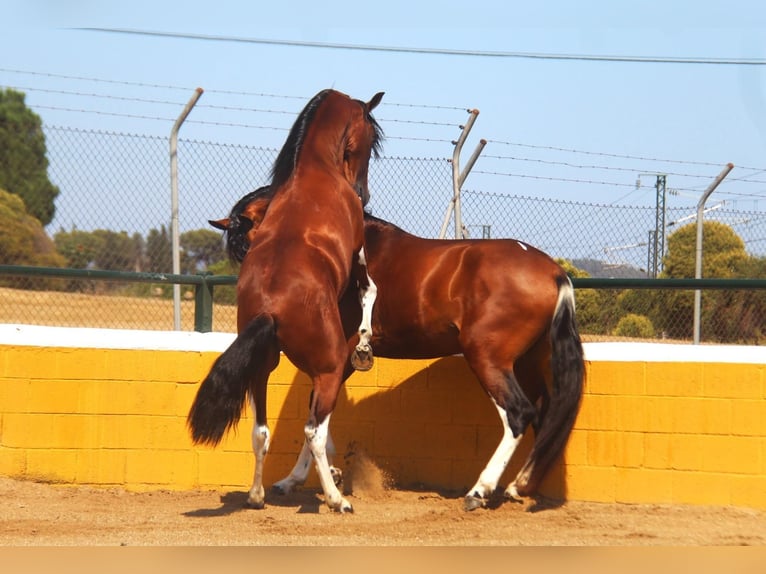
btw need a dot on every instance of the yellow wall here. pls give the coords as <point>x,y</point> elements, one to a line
<point>649,432</point>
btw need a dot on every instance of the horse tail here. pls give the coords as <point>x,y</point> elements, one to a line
<point>221,396</point>
<point>568,370</point>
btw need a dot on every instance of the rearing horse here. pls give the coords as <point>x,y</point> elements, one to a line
<point>291,279</point>
<point>506,306</point>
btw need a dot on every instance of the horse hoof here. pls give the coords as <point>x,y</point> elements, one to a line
<point>362,359</point>
<point>279,489</point>
<point>472,502</point>
<point>255,504</point>
<point>346,508</point>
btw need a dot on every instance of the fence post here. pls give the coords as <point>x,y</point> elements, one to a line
<point>698,253</point>
<point>174,232</point>
<point>458,178</point>
<point>203,306</point>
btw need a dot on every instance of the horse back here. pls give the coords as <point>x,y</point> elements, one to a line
<point>430,291</point>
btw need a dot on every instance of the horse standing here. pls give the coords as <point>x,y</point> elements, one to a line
<point>506,306</point>
<point>291,279</point>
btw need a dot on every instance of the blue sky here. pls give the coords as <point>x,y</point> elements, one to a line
<point>697,116</point>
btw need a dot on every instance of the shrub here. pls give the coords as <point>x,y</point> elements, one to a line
<point>635,326</point>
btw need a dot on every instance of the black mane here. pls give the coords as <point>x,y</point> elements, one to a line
<point>288,156</point>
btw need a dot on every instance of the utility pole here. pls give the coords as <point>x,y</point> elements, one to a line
<point>656,249</point>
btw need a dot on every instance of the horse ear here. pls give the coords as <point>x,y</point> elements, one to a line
<point>222,224</point>
<point>373,103</point>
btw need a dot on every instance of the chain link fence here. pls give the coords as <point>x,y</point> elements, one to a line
<point>114,211</point>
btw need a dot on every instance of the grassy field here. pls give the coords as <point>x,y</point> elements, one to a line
<point>63,309</point>
<point>60,309</point>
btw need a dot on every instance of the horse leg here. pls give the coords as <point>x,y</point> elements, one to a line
<point>361,357</point>
<point>516,413</point>
<point>326,387</point>
<point>261,436</point>
<point>300,471</point>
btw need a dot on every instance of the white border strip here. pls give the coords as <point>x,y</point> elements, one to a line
<point>39,336</point>
<point>674,353</point>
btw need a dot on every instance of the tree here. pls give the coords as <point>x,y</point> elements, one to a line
<point>202,248</point>
<point>23,241</point>
<point>159,251</point>
<point>722,251</point>
<point>23,161</point>
<point>727,316</point>
<point>597,309</point>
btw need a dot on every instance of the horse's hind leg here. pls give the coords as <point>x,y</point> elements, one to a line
<point>516,413</point>
<point>326,387</point>
<point>300,471</point>
<point>261,436</point>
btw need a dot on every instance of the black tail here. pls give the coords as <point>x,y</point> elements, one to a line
<point>221,396</point>
<point>568,368</point>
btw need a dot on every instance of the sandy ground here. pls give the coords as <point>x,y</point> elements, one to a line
<point>37,514</point>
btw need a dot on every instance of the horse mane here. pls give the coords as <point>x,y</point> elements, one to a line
<point>288,156</point>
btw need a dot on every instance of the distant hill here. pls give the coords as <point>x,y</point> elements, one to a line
<point>605,270</point>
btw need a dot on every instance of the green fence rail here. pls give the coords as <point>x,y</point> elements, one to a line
<point>204,284</point>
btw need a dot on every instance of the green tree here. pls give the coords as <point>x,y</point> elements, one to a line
<point>23,241</point>
<point>79,248</point>
<point>159,251</point>
<point>23,161</point>
<point>202,248</point>
<point>722,251</point>
<point>597,309</point>
<point>727,316</point>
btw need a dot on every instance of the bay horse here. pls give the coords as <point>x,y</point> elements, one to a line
<point>291,279</point>
<point>507,307</point>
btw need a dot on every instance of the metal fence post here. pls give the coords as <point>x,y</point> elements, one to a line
<point>203,306</point>
<point>458,178</point>
<point>698,256</point>
<point>174,232</point>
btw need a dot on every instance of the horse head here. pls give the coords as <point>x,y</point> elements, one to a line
<point>363,139</point>
<point>340,132</point>
<point>243,221</point>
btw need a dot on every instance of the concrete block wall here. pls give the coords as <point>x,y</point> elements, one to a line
<point>658,423</point>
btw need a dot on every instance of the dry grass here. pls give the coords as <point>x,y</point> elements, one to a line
<point>60,309</point>
<point>63,309</point>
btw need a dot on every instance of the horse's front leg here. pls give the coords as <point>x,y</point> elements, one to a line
<point>361,357</point>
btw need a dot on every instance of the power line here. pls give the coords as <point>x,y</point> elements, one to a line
<point>435,51</point>
<point>616,155</point>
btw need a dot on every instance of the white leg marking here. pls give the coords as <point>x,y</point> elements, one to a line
<point>316,437</point>
<point>490,476</point>
<point>261,438</point>
<point>367,298</point>
<point>300,471</point>
<point>298,474</point>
